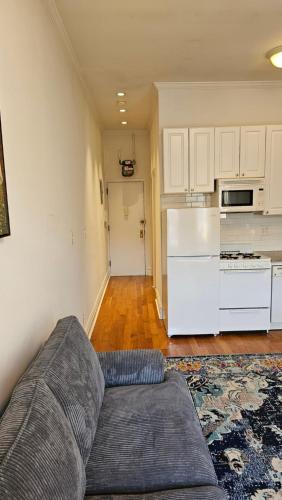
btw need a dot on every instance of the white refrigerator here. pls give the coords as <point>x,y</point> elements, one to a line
<point>190,263</point>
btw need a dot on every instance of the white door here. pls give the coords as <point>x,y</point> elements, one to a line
<point>193,295</point>
<point>227,145</point>
<point>252,153</point>
<point>273,171</point>
<point>201,160</point>
<point>175,150</point>
<point>126,228</point>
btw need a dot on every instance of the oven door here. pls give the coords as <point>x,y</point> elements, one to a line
<point>246,288</point>
<point>237,200</point>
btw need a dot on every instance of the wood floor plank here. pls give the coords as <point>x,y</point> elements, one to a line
<point>128,319</point>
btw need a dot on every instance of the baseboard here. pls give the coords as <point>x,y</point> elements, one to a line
<point>159,305</point>
<point>90,323</point>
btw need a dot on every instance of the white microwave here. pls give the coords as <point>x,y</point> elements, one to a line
<point>240,196</point>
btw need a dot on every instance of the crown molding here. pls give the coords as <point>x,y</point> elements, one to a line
<point>237,84</point>
<point>59,24</point>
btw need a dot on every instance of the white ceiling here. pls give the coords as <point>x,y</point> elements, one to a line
<point>128,44</point>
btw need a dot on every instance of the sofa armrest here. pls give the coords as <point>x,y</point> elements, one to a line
<point>140,366</point>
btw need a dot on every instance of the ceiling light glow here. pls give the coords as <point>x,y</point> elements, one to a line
<point>120,93</point>
<point>124,123</point>
<point>122,110</point>
<point>275,56</point>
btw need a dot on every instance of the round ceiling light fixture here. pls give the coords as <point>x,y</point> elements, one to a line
<point>124,123</point>
<point>275,56</point>
<point>122,110</point>
<point>120,93</point>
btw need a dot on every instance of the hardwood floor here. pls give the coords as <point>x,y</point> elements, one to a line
<point>128,320</point>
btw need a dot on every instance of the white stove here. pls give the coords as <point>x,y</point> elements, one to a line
<point>245,291</point>
<point>240,260</point>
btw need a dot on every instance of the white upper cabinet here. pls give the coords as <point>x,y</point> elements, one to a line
<point>201,142</point>
<point>175,143</point>
<point>227,147</point>
<point>273,170</point>
<point>252,151</point>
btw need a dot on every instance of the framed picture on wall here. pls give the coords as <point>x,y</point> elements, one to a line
<point>4,212</point>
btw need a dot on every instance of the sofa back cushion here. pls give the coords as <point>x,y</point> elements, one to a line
<point>39,457</point>
<point>70,367</point>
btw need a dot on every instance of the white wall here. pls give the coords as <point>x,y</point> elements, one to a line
<point>156,203</point>
<point>221,104</point>
<point>251,232</point>
<point>55,261</point>
<point>119,142</point>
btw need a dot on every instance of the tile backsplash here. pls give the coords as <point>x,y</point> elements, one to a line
<point>248,232</point>
<point>185,200</point>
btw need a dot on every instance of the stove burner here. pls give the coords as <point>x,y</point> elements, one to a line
<point>239,255</point>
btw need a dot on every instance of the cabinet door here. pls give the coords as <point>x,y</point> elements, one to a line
<point>227,143</point>
<point>273,170</point>
<point>252,152</point>
<point>175,142</point>
<point>201,160</point>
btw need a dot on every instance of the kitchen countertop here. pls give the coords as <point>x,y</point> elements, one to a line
<point>275,256</point>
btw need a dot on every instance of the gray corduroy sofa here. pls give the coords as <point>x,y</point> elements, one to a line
<point>108,426</point>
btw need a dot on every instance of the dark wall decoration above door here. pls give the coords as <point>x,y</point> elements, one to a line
<point>4,213</point>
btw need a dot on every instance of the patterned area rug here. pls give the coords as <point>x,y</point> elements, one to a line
<point>238,400</point>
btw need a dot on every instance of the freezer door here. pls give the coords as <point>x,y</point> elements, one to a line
<point>193,231</point>
<point>193,295</point>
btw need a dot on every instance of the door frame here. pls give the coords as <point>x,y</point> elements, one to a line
<point>144,215</point>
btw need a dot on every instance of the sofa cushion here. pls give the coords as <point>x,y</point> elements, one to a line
<point>133,367</point>
<point>39,457</point>
<point>70,367</point>
<point>148,439</point>
<point>197,493</point>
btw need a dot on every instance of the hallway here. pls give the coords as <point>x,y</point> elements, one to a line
<point>128,320</point>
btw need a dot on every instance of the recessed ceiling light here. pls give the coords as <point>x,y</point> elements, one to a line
<point>122,110</point>
<point>120,93</point>
<point>275,56</point>
<point>121,103</point>
<point>124,123</point>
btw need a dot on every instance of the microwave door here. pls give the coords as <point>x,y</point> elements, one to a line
<point>237,198</point>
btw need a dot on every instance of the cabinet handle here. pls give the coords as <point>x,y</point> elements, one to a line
<point>185,189</point>
<point>243,175</point>
<point>237,175</point>
<point>192,189</point>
